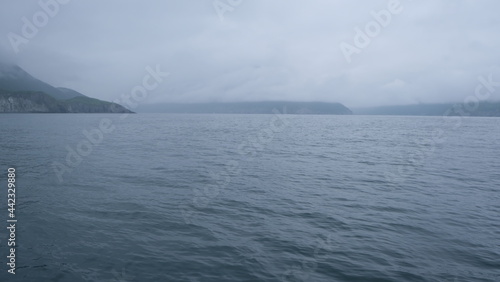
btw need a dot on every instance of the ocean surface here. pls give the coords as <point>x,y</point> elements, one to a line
<point>166,197</point>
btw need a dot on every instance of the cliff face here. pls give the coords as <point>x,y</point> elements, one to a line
<point>39,102</point>
<point>22,105</point>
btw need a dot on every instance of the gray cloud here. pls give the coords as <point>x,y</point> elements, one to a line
<point>432,51</point>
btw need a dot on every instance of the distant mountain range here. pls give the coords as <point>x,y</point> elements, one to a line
<point>486,109</point>
<point>22,93</point>
<point>284,107</point>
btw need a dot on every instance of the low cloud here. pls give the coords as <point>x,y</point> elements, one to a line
<point>431,51</point>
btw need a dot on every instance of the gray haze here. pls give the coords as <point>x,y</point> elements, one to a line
<point>432,51</point>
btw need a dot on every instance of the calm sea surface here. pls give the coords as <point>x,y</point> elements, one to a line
<point>160,197</point>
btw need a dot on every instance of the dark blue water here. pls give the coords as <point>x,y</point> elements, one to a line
<point>252,198</point>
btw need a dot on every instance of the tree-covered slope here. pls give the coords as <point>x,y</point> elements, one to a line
<point>40,102</point>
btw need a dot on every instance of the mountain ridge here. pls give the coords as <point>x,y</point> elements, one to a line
<point>20,92</point>
<point>261,107</point>
<point>484,108</point>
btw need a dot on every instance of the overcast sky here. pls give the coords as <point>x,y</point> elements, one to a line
<point>429,51</point>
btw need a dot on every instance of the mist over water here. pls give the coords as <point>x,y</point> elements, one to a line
<point>250,157</point>
<point>166,197</point>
